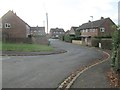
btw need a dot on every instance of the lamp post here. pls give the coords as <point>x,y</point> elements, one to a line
<point>91,23</point>
<point>47,21</point>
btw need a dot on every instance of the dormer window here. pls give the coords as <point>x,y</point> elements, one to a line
<point>7,25</point>
<point>102,29</point>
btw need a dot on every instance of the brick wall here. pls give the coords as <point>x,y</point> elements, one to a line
<point>18,27</point>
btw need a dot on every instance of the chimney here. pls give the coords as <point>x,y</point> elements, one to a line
<point>89,21</point>
<point>102,18</point>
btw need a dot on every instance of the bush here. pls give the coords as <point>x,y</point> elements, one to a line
<point>95,42</point>
<point>106,43</point>
<point>69,38</point>
<point>61,37</point>
<point>118,60</point>
<point>100,37</point>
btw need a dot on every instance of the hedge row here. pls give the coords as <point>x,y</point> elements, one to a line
<point>105,43</point>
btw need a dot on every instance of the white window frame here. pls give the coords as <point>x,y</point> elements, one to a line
<point>102,29</point>
<point>7,25</point>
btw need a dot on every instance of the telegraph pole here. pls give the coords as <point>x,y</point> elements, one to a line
<point>47,21</point>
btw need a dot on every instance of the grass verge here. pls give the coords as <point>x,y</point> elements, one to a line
<point>24,47</point>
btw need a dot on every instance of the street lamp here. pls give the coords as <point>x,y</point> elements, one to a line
<point>91,23</point>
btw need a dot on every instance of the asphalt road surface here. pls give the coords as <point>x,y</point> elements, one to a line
<point>46,71</point>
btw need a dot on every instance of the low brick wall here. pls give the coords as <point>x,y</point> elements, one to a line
<point>37,40</point>
<point>40,40</point>
<point>17,40</point>
<point>76,42</point>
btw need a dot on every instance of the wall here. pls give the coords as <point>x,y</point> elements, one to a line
<point>108,25</point>
<point>95,33</point>
<point>40,40</point>
<point>18,27</point>
<point>77,42</point>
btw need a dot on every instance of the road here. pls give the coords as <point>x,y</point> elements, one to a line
<point>46,71</point>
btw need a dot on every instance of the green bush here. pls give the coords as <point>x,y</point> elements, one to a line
<point>106,44</point>
<point>117,63</point>
<point>100,37</point>
<point>61,37</point>
<point>95,42</point>
<point>69,38</point>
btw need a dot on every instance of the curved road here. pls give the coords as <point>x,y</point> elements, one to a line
<point>46,71</point>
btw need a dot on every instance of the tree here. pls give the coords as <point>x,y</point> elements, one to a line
<point>115,59</point>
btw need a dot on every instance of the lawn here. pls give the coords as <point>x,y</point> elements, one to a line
<point>24,47</point>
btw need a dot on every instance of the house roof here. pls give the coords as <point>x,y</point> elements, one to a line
<point>37,28</point>
<point>12,13</point>
<point>94,24</point>
<point>67,32</point>
<point>74,28</point>
<point>57,30</point>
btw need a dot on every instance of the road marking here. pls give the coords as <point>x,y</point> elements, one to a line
<point>67,83</point>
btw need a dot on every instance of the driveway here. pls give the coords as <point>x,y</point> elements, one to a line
<point>46,71</point>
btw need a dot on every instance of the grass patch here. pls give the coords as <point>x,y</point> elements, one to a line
<point>24,47</point>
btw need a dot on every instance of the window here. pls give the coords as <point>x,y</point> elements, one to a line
<point>83,31</point>
<point>86,30</point>
<point>93,30</point>
<point>102,29</point>
<point>7,25</point>
<point>0,25</point>
<point>90,30</point>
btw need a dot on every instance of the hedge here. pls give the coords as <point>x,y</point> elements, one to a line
<point>106,43</point>
<point>68,38</point>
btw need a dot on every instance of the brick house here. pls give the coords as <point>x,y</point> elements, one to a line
<point>37,31</point>
<point>73,30</point>
<point>13,26</point>
<point>67,32</point>
<point>56,32</point>
<point>98,28</point>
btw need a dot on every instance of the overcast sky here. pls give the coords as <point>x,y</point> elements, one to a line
<point>61,13</point>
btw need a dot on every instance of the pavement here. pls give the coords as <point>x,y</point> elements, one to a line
<point>95,77</point>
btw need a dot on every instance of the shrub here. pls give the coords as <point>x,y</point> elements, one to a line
<point>106,43</point>
<point>69,38</point>
<point>95,42</point>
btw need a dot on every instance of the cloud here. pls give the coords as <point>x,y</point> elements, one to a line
<point>61,13</point>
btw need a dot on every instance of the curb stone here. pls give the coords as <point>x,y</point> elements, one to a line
<point>15,53</point>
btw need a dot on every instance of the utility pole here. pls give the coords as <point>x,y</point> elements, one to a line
<point>47,21</point>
